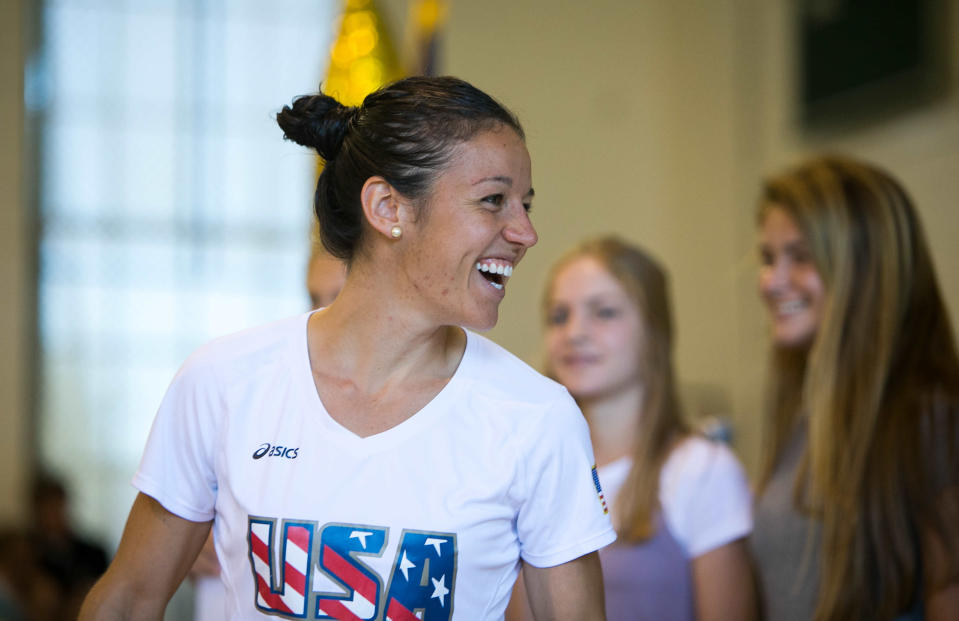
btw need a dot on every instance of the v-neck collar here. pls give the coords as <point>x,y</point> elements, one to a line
<point>346,439</point>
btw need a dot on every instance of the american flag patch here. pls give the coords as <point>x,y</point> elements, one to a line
<point>599,491</point>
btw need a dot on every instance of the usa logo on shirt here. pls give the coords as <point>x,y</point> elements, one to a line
<point>599,491</point>
<point>420,586</point>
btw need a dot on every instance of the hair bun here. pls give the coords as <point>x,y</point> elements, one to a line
<point>317,121</point>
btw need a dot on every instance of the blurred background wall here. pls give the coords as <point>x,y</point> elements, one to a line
<point>654,120</point>
<point>16,289</point>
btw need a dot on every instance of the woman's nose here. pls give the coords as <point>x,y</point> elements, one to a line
<point>519,229</point>
<point>576,328</point>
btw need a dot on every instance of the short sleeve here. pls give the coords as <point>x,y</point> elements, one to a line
<point>563,514</point>
<point>177,468</point>
<point>705,496</point>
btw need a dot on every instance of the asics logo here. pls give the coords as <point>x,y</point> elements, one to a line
<point>275,450</point>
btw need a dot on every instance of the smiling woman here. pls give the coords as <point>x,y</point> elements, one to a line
<point>858,514</point>
<point>426,460</point>
<point>680,503</point>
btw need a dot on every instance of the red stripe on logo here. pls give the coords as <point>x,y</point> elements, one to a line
<point>300,536</point>
<point>294,579</point>
<point>397,612</point>
<point>272,600</point>
<point>334,608</point>
<point>260,549</point>
<point>349,574</point>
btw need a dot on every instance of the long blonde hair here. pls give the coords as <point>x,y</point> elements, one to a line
<point>879,388</point>
<point>661,422</point>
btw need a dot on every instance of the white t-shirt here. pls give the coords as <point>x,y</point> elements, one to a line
<point>209,599</point>
<point>703,492</point>
<point>431,515</point>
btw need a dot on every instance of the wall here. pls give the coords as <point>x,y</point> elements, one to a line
<point>15,271</point>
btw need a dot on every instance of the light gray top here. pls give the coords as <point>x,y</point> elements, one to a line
<point>785,545</point>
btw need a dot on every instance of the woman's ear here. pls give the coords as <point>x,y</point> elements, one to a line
<point>385,209</point>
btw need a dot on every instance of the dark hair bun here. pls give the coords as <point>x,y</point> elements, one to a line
<point>316,121</point>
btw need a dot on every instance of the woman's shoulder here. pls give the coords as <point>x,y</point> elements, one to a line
<point>509,394</point>
<point>250,348</point>
<point>506,376</point>
<point>698,469</point>
<point>695,455</point>
<point>705,495</point>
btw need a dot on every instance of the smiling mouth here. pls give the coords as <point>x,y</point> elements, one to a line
<point>792,307</point>
<point>579,359</point>
<point>496,272</point>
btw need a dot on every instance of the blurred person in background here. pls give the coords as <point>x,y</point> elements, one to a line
<point>858,510</point>
<point>71,560</point>
<point>47,569</point>
<point>680,503</point>
<point>27,592</point>
<point>378,457</point>
<point>325,276</point>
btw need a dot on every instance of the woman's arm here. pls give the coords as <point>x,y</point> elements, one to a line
<point>155,553</point>
<point>723,585</point>
<point>206,564</point>
<point>572,591</point>
<point>518,608</point>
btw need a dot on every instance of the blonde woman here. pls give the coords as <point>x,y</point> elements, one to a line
<point>680,503</point>
<point>857,517</point>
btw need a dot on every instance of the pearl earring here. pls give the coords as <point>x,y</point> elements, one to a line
<point>396,232</point>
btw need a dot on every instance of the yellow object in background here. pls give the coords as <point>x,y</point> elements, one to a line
<point>362,57</point>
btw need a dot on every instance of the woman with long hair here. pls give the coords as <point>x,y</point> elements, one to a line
<point>680,503</point>
<point>858,510</point>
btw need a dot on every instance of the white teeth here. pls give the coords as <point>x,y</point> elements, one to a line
<point>791,307</point>
<point>496,284</point>
<point>495,268</point>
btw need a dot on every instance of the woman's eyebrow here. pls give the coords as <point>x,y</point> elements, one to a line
<point>507,180</point>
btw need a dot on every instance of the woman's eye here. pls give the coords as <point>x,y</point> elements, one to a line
<point>801,256</point>
<point>528,207</point>
<point>607,312</point>
<point>494,199</point>
<point>557,317</point>
<point>765,257</point>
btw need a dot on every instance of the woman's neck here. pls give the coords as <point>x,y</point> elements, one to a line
<point>613,419</point>
<point>368,337</point>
